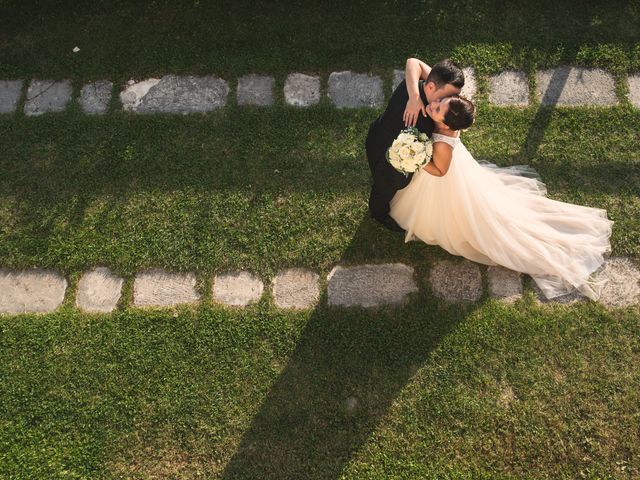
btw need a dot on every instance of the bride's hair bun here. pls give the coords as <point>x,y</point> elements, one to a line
<point>461,113</point>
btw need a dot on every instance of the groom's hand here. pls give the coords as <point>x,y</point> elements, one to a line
<point>412,111</point>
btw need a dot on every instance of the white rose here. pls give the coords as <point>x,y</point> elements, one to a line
<point>396,144</point>
<point>393,156</point>
<point>406,138</point>
<point>417,147</point>
<point>405,153</point>
<point>420,158</point>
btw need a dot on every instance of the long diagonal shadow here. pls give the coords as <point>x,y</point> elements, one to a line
<point>347,369</point>
<point>543,115</point>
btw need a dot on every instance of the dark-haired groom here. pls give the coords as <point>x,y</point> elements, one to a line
<point>423,84</point>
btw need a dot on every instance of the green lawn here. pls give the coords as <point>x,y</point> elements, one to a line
<point>120,39</point>
<point>443,392</point>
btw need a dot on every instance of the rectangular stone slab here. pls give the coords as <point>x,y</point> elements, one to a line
<point>95,97</point>
<point>99,290</point>
<point>634,89</point>
<point>31,291</point>
<point>237,289</point>
<point>255,90</point>
<point>44,96</point>
<point>509,88</point>
<point>355,90</point>
<point>302,90</point>
<point>177,94</point>
<point>159,288</point>
<point>575,86</point>
<point>370,285</point>
<point>10,91</point>
<point>296,288</point>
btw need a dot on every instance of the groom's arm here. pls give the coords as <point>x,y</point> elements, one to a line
<point>414,71</point>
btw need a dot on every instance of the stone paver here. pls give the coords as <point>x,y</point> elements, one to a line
<point>160,288</point>
<point>176,94</point>
<point>398,77</point>
<point>302,90</point>
<point>355,90</point>
<point>456,281</point>
<point>99,290</point>
<point>95,97</point>
<point>470,85</point>
<point>237,288</point>
<point>131,96</point>
<point>575,86</point>
<point>634,89</point>
<point>510,88</point>
<point>45,96</point>
<point>31,291</point>
<point>255,90</point>
<point>370,285</point>
<point>504,284</point>
<point>296,288</point>
<point>10,91</point>
<point>623,287</point>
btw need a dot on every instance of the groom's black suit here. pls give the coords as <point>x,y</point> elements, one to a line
<point>382,132</point>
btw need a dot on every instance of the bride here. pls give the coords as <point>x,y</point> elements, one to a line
<point>500,215</point>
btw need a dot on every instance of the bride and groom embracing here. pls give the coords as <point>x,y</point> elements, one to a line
<point>488,214</point>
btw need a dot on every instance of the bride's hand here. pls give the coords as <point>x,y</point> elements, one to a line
<point>411,112</point>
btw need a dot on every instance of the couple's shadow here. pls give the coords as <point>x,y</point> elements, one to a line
<point>347,368</point>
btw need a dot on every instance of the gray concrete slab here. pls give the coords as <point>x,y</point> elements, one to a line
<point>237,289</point>
<point>634,89</point>
<point>31,291</point>
<point>159,288</point>
<point>95,97</point>
<point>256,90</point>
<point>10,91</point>
<point>99,290</point>
<point>45,96</point>
<point>504,284</point>
<point>455,282</point>
<point>296,288</point>
<point>398,77</point>
<point>371,285</point>
<point>176,94</point>
<point>569,86</point>
<point>302,90</point>
<point>623,282</point>
<point>355,90</point>
<point>470,83</point>
<point>509,88</point>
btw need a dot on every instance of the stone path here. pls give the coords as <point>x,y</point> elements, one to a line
<point>455,281</point>
<point>175,94</point>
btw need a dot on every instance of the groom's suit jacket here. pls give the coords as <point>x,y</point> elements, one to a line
<point>382,132</point>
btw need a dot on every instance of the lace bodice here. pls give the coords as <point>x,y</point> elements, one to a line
<point>438,137</point>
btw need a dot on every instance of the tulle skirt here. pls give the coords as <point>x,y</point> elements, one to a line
<point>501,216</point>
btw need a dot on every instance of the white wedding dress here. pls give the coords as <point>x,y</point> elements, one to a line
<point>501,216</point>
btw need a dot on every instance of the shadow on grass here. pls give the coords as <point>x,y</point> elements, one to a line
<point>346,371</point>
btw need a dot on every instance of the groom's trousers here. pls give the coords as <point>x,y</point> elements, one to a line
<point>386,181</point>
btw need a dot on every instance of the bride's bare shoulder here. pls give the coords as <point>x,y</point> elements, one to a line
<point>442,155</point>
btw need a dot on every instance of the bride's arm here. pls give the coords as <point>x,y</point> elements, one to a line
<point>440,160</point>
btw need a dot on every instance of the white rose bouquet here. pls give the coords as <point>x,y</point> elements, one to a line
<point>410,151</point>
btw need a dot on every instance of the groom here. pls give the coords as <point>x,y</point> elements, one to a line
<point>422,84</point>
